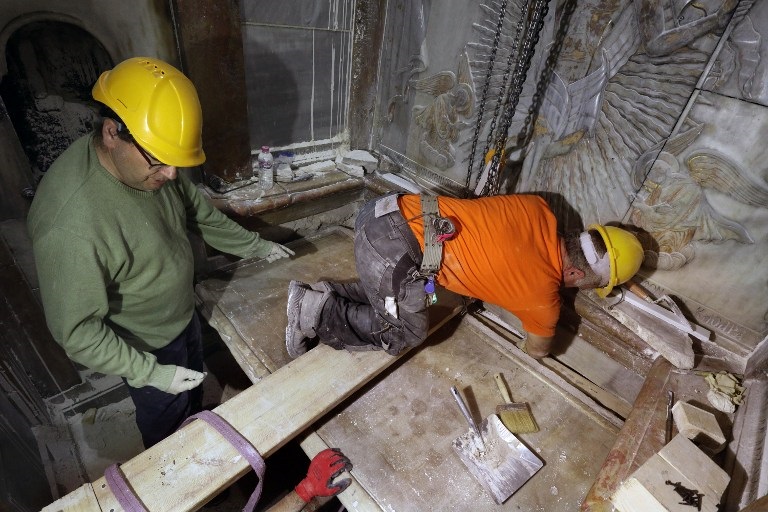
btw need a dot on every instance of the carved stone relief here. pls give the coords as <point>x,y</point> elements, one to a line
<point>618,88</point>
<point>741,69</point>
<point>449,112</point>
<point>672,206</point>
<point>704,202</point>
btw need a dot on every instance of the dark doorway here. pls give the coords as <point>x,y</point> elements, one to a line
<point>52,67</point>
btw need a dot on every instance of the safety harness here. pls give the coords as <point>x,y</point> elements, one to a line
<point>437,230</point>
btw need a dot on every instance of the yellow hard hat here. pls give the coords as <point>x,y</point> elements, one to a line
<point>160,107</point>
<point>625,255</point>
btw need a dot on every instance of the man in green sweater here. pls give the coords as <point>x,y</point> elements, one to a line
<point>109,230</point>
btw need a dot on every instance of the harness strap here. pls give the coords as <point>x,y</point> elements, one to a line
<point>242,445</point>
<point>130,502</point>
<point>119,486</point>
<point>433,249</point>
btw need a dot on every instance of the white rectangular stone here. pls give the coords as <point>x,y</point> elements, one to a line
<point>680,463</point>
<point>699,426</point>
<point>361,158</point>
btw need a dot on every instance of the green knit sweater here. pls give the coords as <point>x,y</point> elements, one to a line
<point>115,265</point>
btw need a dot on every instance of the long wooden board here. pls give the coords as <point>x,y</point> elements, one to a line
<point>186,469</point>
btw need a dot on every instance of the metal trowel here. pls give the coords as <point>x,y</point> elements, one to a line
<point>494,456</point>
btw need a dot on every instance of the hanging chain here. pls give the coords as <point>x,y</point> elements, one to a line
<point>506,98</point>
<point>536,22</point>
<point>526,131</point>
<point>504,88</point>
<point>486,85</point>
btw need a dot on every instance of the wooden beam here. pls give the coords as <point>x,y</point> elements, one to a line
<point>630,450</point>
<point>185,470</point>
<point>757,506</point>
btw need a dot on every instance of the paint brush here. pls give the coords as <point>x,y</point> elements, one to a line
<point>517,417</point>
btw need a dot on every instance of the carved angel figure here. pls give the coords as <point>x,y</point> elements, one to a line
<point>675,210</point>
<point>441,120</point>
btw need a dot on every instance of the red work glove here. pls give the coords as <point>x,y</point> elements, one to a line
<point>327,465</point>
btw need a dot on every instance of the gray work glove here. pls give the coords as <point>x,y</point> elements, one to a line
<point>277,252</point>
<point>185,379</point>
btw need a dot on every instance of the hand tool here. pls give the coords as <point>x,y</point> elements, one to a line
<point>517,417</point>
<point>494,456</point>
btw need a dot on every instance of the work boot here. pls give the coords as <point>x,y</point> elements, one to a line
<point>304,308</point>
<point>322,286</point>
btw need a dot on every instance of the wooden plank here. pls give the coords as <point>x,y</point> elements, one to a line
<point>629,451</point>
<point>185,470</point>
<point>355,498</point>
<point>643,434</point>
<point>82,499</point>
<point>757,506</point>
<point>609,400</point>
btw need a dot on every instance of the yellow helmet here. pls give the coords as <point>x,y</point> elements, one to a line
<point>160,107</point>
<point>625,255</point>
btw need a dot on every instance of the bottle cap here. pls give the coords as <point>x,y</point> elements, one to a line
<point>265,149</point>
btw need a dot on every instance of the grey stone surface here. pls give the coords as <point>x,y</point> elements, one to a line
<point>299,13</point>
<point>741,68</point>
<point>296,84</point>
<point>705,203</point>
<point>297,58</point>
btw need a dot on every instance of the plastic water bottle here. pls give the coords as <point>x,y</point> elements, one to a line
<point>266,173</point>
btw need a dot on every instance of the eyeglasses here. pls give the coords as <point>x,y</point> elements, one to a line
<point>152,165</point>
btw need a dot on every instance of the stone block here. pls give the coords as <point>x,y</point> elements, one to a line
<point>699,426</point>
<point>680,473</point>
<point>361,158</point>
<point>352,170</point>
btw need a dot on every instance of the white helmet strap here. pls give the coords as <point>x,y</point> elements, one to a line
<point>600,266</point>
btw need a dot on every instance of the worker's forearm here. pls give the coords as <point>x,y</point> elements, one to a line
<point>537,346</point>
<point>290,503</point>
<point>293,503</point>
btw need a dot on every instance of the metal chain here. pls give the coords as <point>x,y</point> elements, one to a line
<point>536,16</point>
<point>526,132</point>
<point>504,88</point>
<point>486,85</point>
<point>500,139</point>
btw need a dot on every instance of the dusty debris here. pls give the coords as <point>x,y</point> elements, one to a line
<point>725,392</point>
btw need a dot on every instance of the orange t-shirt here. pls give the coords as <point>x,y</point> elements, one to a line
<point>506,252</point>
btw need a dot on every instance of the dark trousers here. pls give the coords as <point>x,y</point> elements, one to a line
<point>159,414</point>
<point>355,316</point>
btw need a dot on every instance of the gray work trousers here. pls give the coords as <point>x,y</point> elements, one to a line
<point>386,308</point>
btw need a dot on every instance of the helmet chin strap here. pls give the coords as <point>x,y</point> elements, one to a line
<point>600,266</point>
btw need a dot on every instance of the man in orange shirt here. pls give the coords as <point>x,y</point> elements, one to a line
<point>504,250</point>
